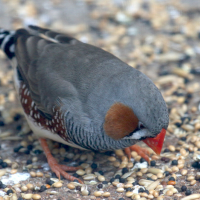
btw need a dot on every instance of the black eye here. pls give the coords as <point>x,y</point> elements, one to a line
<point>141,126</point>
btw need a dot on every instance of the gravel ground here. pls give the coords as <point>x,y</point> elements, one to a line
<point>160,38</point>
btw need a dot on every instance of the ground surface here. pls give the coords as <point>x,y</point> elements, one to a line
<point>160,38</point>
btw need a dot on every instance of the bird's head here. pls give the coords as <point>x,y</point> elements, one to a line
<point>144,117</point>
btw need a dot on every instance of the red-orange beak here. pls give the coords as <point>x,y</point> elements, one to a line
<point>156,143</point>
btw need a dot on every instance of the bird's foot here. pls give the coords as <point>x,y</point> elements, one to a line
<point>57,168</point>
<point>144,153</point>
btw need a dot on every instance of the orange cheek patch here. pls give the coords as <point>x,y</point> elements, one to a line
<point>120,121</point>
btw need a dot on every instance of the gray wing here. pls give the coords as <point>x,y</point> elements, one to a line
<point>61,70</point>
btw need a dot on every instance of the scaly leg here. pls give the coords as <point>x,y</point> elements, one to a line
<point>55,167</point>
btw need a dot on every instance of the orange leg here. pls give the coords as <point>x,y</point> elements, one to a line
<point>55,167</point>
<point>141,151</point>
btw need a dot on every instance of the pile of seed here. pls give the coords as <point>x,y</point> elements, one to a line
<point>160,38</point>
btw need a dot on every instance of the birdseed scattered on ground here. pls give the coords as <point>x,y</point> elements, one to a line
<point>160,38</point>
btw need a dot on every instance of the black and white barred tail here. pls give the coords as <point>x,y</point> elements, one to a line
<point>7,41</point>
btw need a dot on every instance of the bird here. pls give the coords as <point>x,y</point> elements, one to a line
<point>83,96</point>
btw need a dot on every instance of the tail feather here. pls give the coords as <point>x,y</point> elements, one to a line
<point>7,41</point>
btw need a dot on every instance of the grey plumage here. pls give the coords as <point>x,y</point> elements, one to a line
<point>85,81</point>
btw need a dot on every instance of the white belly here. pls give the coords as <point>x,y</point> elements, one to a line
<point>39,130</point>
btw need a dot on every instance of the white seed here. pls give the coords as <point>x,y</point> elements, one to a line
<point>88,170</point>
<point>2,172</point>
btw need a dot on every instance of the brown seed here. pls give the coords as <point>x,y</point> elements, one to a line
<point>97,193</point>
<point>184,172</point>
<point>151,191</point>
<point>13,171</point>
<point>120,189</point>
<point>171,148</point>
<point>134,154</point>
<point>154,177</point>
<point>39,174</point>
<point>150,196</point>
<point>71,186</point>
<point>129,165</point>
<point>160,175</point>
<point>183,152</point>
<point>124,158</point>
<point>27,196</point>
<point>137,158</point>
<point>193,182</point>
<point>144,170</point>
<point>106,194</point>
<point>128,185</point>
<point>137,196</point>
<point>88,170</point>
<point>129,194</point>
<point>119,152</point>
<point>101,178</point>
<point>30,186</point>
<point>139,174</point>
<point>123,165</point>
<point>190,178</point>
<point>116,163</point>
<point>175,169</point>
<point>169,193</point>
<point>197,144</point>
<point>112,158</point>
<point>144,194</point>
<point>171,183</point>
<point>57,184</point>
<point>33,174</point>
<point>24,188</point>
<point>180,166</point>
<point>36,196</point>
<point>155,194</point>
